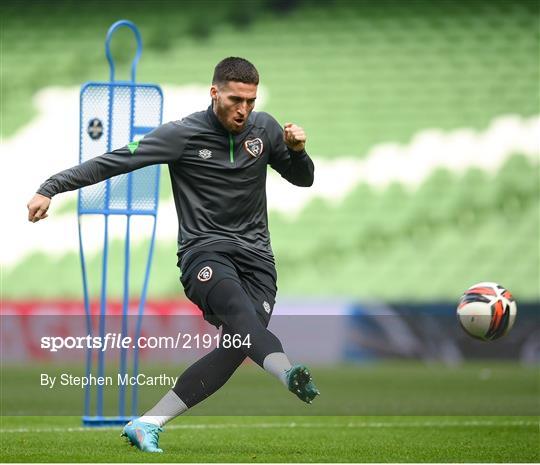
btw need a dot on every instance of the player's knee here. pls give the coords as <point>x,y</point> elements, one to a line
<point>226,297</point>
<point>229,359</point>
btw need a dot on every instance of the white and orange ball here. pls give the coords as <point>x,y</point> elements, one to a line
<point>487,311</point>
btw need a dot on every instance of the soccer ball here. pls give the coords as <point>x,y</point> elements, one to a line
<point>486,311</point>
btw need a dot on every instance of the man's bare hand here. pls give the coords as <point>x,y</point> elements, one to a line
<point>294,137</point>
<point>37,208</point>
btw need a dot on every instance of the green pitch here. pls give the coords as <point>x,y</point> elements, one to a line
<point>405,388</point>
<point>386,395</point>
<point>282,439</point>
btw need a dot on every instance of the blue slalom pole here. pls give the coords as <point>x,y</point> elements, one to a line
<point>88,321</point>
<point>138,327</point>
<point>108,109</point>
<point>125,313</point>
<point>102,315</point>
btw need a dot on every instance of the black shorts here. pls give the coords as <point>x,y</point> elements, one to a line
<point>257,277</point>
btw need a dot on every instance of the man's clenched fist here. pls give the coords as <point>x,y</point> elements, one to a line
<point>37,208</point>
<point>294,137</point>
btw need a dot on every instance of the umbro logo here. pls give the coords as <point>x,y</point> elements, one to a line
<point>205,154</point>
<point>266,307</point>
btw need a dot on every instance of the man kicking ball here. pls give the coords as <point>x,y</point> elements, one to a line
<point>218,162</point>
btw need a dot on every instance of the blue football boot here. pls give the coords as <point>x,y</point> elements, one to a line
<point>144,436</point>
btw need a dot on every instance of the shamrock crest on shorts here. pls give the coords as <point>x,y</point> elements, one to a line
<point>205,274</point>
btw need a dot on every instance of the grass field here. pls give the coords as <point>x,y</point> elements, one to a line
<point>282,439</point>
<point>388,412</point>
<point>391,388</point>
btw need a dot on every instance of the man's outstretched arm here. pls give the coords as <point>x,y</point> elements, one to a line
<point>163,145</point>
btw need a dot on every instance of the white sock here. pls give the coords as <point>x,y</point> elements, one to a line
<point>169,407</point>
<point>277,363</point>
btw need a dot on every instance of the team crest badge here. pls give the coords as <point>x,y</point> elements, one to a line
<point>254,147</point>
<point>205,274</point>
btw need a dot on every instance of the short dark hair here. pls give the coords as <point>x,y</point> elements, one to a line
<point>235,69</point>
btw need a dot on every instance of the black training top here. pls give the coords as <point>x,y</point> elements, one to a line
<point>218,178</point>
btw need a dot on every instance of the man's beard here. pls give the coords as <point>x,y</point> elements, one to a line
<point>223,119</point>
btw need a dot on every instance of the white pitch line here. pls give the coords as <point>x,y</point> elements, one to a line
<point>360,425</point>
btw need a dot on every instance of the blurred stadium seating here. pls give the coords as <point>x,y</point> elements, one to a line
<point>355,75</point>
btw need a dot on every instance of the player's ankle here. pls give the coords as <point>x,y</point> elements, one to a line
<point>153,420</point>
<point>277,364</point>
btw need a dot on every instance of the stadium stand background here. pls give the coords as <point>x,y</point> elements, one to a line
<point>355,75</point>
